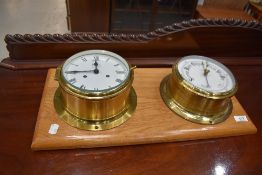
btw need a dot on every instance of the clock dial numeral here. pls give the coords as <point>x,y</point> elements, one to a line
<point>74,64</point>
<point>82,87</point>
<point>187,74</point>
<point>119,80</point>
<point>116,65</point>
<point>96,58</point>
<point>84,59</point>
<point>107,59</point>
<point>120,72</point>
<point>96,89</point>
<point>186,68</point>
<point>195,63</point>
<point>73,80</point>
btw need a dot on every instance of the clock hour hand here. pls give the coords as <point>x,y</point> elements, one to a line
<point>96,71</point>
<point>76,71</point>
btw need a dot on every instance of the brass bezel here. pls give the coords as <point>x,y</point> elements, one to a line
<point>89,94</point>
<point>93,95</point>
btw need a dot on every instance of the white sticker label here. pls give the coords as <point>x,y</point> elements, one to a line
<point>240,118</point>
<point>53,128</point>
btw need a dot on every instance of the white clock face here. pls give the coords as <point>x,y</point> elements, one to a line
<point>95,70</point>
<point>206,74</point>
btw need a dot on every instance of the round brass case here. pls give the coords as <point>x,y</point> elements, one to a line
<point>192,103</point>
<point>94,110</point>
<point>94,125</point>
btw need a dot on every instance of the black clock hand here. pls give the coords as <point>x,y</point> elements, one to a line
<point>96,71</point>
<point>76,71</point>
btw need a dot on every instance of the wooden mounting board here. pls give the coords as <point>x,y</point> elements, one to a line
<point>152,121</point>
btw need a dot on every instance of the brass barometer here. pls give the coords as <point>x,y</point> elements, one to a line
<point>95,90</point>
<point>199,89</point>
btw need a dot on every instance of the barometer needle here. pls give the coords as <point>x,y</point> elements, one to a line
<point>206,71</point>
<point>207,81</point>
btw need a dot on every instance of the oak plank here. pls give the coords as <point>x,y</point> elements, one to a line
<point>152,122</point>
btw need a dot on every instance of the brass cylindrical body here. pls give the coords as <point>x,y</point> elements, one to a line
<point>193,102</point>
<point>96,108</point>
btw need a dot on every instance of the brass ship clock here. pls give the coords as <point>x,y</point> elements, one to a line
<point>95,90</point>
<point>199,89</point>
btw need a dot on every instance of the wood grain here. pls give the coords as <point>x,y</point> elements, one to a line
<point>231,39</point>
<point>21,91</point>
<point>228,4</point>
<point>88,16</point>
<point>209,37</point>
<point>218,12</point>
<point>152,122</point>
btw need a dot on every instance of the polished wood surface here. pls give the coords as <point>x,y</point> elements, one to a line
<point>88,15</point>
<point>114,16</point>
<point>152,121</point>
<point>218,12</point>
<point>229,4</point>
<point>20,99</point>
<point>221,38</point>
<point>257,10</point>
<point>21,91</point>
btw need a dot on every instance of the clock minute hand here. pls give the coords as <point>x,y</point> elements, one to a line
<point>76,71</point>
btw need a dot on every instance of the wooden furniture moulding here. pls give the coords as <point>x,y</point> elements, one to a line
<point>219,38</point>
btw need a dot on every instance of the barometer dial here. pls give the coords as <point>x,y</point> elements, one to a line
<point>206,74</point>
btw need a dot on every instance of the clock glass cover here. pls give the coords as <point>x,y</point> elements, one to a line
<point>95,71</point>
<point>206,74</point>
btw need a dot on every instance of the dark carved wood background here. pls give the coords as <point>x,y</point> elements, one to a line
<point>215,38</point>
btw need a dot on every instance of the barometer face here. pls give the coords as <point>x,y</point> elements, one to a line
<point>206,74</point>
<point>95,71</point>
